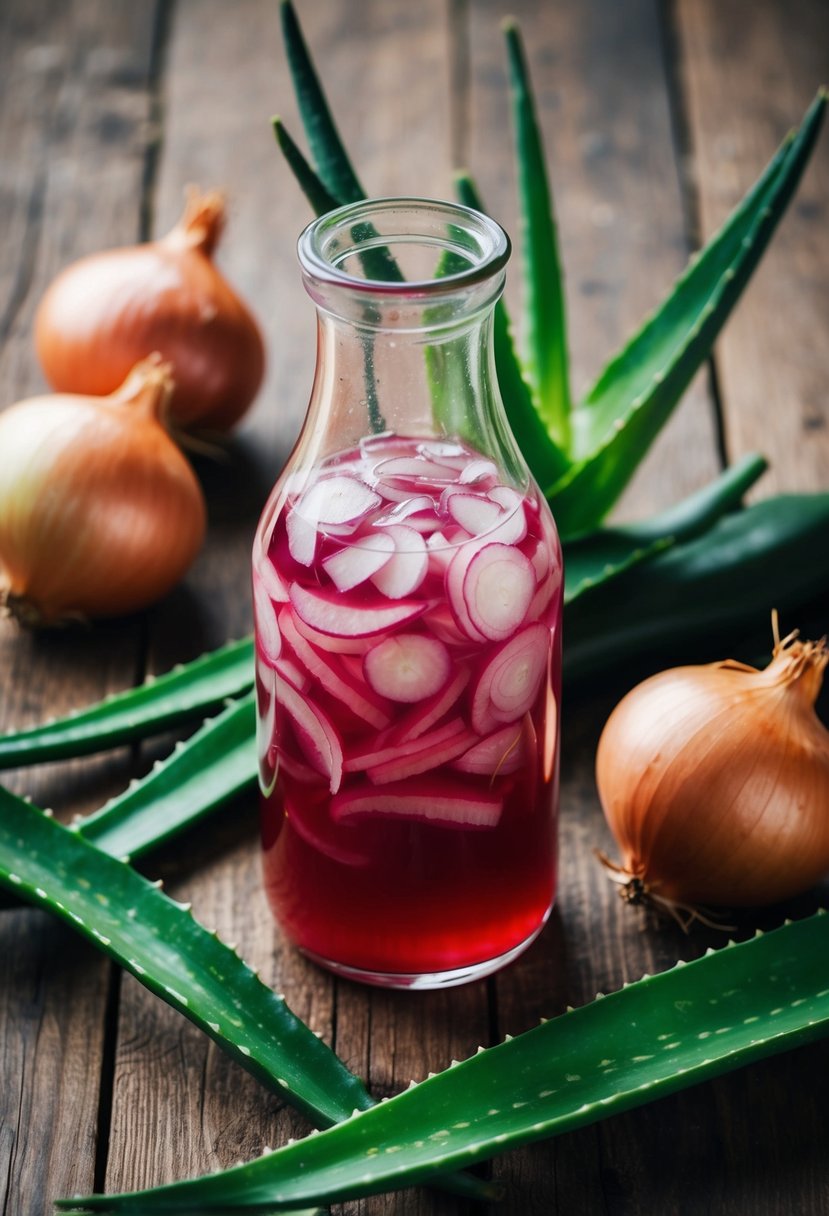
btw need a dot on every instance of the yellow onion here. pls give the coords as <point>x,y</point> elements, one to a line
<point>100,513</point>
<point>105,312</point>
<point>715,782</point>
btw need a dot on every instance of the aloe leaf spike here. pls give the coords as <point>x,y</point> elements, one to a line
<point>600,556</point>
<point>545,348</point>
<point>634,396</point>
<point>327,148</point>
<point>159,941</point>
<point>215,764</point>
<point>654,1037</point>
<point>179,695</point>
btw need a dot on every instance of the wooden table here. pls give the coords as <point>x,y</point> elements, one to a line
<point>657,117</point>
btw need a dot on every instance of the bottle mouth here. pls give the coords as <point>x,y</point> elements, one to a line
<point>403,247</point>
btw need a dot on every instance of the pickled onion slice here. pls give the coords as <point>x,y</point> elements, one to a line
<point>320,840</point>
<point>267,628</point>
<point>315,734</point>
<point>503,752</point>
<point>496,590</point>
<point>336,500</point>
<point>474,513</point>
<point>508,683</point>
<point>334,677</point>
<point>356,563</point>
<point>429,757</point>
<point>360,761</point>
<point>407,667</point>
<point>427,713</point>
<point>439,801</point>
<point>330,613</point>
<point>403,574</point>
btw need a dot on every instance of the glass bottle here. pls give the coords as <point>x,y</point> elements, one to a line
<point>407,590</point>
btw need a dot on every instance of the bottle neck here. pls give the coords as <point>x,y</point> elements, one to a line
<point>425,381</point>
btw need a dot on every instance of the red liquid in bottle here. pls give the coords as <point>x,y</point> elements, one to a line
<point>408,612</point>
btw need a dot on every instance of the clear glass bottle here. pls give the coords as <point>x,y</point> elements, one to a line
<point>407,588</point>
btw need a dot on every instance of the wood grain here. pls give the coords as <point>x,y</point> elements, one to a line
<point>750,71</point>
<point>73,140</point>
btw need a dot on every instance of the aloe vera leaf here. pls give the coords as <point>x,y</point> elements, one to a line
<point>621,415</point>
<point>179,695</point>
<point>602,555</point>
<point>546,460</point>
<point>159,941</point>
<point>312,187</point>
<point>650,1039</point>
<point>545,349</point>
<point>327,148</point>
<point>765,556</point>
<point>215,764</point>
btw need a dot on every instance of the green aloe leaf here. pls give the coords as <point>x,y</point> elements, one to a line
<point>218,762</point>
<point>215,764</point>
<point>546,460</point>
<point>180,695</point>
<point>309,182</point>
<point>652,1038</point>
<point>621,415</point>
<point>327,148</point>
<point>602,555</point>
<point>160,942</point>
<point>703,592</point>
<point>545,348</point>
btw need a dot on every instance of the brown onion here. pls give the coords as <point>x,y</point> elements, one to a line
<point>715,782</point>
<point>100,513</point>
<point>104,313</point>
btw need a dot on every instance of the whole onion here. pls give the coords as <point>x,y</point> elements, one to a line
<point>104,313</point>
<point>100,513</point>
<point>715,783</point>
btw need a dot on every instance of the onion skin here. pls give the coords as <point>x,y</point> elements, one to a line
<point>100,513</point>
<point>715,783</point>
<point>104,313</point>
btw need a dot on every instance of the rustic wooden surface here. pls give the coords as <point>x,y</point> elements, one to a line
<point>657,117</point>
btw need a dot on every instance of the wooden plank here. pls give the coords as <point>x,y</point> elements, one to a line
<point>749,74</point>
<point>73,139</point>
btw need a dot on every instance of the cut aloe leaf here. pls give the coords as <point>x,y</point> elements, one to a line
<point>215,764</point>
<point>705,590</point>
<point>327,148</point>
<point>311,185</point>
<point>602,555</point>
<point>654,1037</point>
<point>160,942</point>
<point>621,415</point>
<point>545,347</point>
<point>547,461</point>
<point>184,693</point>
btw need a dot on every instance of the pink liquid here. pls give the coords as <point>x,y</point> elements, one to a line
<point>408,611</point>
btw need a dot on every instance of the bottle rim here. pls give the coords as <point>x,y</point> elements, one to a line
<point>347,232</point>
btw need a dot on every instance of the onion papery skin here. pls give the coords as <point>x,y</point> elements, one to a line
<point>100,513</point>
<point>715,782</point>
<point>104,313</point>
